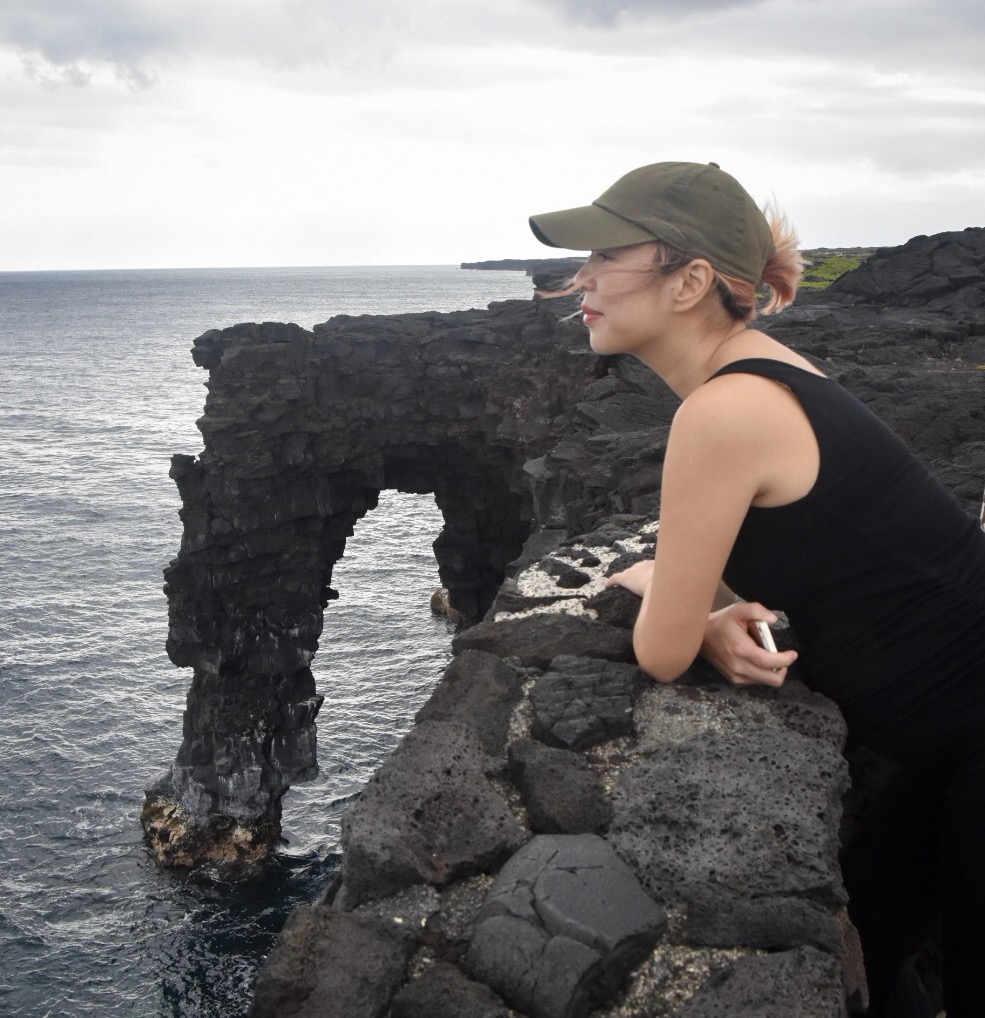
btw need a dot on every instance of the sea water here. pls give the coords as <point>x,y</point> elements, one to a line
<point>97,390</point>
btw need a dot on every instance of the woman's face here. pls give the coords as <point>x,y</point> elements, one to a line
<point>623,298</point>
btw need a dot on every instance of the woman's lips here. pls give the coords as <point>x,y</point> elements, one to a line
<point>589,315</point>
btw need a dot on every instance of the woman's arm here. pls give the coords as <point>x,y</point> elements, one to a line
<point>721,454</point>
<point>727,644</point>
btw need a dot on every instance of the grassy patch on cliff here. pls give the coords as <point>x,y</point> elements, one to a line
<point>823,266</point>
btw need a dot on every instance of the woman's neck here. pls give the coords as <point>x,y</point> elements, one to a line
<point>695,352</point>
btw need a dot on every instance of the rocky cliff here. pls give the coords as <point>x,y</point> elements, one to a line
<point>556,835</point>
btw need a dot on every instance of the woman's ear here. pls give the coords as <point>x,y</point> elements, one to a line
<point>694,281</point>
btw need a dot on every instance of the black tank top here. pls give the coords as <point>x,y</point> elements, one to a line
<point>880,570</point>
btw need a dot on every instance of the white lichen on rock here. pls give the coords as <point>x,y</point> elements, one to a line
<point>536,582</point>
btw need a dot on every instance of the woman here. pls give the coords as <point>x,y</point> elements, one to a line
<point>780,482</point>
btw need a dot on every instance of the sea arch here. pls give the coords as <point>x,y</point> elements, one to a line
<point>302,430</point>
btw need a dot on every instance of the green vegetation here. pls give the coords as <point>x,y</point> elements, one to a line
<point>824,265</point>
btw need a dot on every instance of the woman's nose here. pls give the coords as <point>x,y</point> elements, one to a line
<point>583,277</point>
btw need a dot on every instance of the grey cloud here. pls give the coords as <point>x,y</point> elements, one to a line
<point>62,41</point>
<point>66,41</point>
<point>904,36</point>
<point>924,17</point>
<point>64,32</point>
<point>606,12</point>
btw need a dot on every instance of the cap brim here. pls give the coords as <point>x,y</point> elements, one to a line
<point>589,228</point>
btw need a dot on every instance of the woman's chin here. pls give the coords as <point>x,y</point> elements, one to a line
<point>603,344</point>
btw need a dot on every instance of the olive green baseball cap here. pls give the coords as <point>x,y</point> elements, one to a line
<point>696,207</point>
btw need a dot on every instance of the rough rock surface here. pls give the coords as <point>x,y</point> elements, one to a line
<point>545,462</point>
<point>579,702</point>
<point>746,865</point>
<point>480,690</point>
<point>537,641</point>
<point>799,982</point>
<point>428,815</point>
<point>718,823</point>
<point>930,272</point>
<point>564,922</point>
<point>443,991</point>
<point>328,963</point>
<point>561,793</point>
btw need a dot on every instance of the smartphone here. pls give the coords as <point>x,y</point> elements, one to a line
<point>762,634</point>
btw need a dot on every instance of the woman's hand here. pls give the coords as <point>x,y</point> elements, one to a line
<point>635,579</point>
<point>731,649</point>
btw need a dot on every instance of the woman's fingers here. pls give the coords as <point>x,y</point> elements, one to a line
<point>760,667</point>
<point>635,578</point>
<point>731,648</point>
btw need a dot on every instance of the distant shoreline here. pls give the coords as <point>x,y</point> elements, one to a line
<point>824,264</point>
<point>549,264</point>
<point>528,265</point>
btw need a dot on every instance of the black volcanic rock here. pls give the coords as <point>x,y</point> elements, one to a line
<point>615,606</point>
<point>428,815</point>
<point>532,266</point>
<point>561,794</point>
<point>442,991</point>
<point>538,639</point>
<point>723,825</point>
<point>480,690</point>
<point>564,922</point>
<point>580,701</point>
<point>945,270</point>
<point>333,963</point>
<point>802,982</point>
<point>302,431</point>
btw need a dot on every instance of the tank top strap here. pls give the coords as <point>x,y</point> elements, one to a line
<point>767,367</point>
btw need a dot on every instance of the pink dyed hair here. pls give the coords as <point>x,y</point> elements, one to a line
<point>781,273</point>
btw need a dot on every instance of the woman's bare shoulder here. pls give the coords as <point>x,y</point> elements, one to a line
<point>737,415</point>
<point>730,401</point>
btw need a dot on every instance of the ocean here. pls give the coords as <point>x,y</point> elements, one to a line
<point>97,390</point>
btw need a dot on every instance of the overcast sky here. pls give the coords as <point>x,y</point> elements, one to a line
<point>152,133</point>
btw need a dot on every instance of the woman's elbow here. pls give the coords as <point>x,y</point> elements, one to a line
<point>658,663</point>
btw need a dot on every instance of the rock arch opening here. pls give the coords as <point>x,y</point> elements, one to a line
<point>382,650</point>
